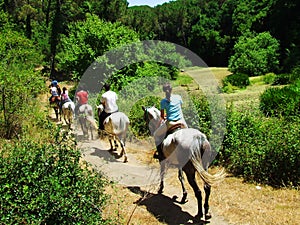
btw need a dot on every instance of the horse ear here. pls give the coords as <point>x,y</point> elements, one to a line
<point>144,108</point>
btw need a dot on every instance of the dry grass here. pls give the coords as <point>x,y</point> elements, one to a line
<point>244,203</point>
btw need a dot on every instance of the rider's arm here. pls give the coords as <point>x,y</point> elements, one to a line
<point>162,114</point>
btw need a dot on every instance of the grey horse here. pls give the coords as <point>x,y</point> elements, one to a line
<point>116,126</point>
<point>86,120</point>
<point>185,149</point>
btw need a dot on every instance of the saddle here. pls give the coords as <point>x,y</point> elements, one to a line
<point>54,99</point>
<point>175,128</point>
<point>159,154</point>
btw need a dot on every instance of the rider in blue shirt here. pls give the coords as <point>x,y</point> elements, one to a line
<point>171,115</point>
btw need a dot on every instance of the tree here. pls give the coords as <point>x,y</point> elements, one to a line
<point>255,55</point>
<point>18,83</point>
<point>89,39</point>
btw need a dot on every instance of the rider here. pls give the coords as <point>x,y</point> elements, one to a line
<point>171,116</point>
<point>54,92</point>
<point>64,97</point>
<point>109,102</point>
<point>82,97</point>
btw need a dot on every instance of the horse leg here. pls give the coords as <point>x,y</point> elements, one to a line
<point>181,179</point>
<point>111,145</point>
<point>56,113</point>
<point>162,175</point>
<point>123,152</point>
<point>207,188</point>
<point>190,172</point>
<point>91,129</point>
<point>115,142</point>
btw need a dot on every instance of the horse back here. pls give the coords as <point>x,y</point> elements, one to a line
<point>117,123</point>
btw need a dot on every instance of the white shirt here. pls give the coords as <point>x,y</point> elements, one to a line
<point>54,91</point>
<point>109,99</point>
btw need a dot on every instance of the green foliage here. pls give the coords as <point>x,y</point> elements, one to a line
<point>124,77</point>
<point>89,39</point>
<point>19,85</point>
<point>288,78</point>
<point>255,55</point>
<point>238,80</point>
<point>142,19</point>
<point>136,116</point>
<point>197,113</point>
<point>281,101</point>
<point>269,78</point>
<point>261,150</point>
<point>46,184</point>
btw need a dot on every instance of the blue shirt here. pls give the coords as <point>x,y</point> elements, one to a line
<point>173,107</point>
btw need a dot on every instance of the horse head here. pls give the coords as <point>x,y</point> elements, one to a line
<point>152,118</point>
<point>100,109</point>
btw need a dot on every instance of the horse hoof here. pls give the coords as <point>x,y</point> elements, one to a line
<point>207,216</point>
<point>125,160</point>
<point>198,218</point>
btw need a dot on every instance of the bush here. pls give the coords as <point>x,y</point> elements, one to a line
<point>136,116</point>
<point>269,78</point>
<point>288,78</point>
<point>255,55</point>
<point>46,184</point>
<point>281,101</point>
<point>239,80</point>
<point>262,150</point>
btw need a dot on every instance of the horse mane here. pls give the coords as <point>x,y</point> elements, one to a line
<point>154,112</point>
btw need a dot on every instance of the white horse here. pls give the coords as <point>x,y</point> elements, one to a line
<point>68,110</point>
<point>86,120</point>
<point>116,126</point>
<point>185,149</point>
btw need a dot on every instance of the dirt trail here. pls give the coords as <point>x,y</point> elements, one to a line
<point>142,178</point>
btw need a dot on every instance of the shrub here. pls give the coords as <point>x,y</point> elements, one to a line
<point>262,150</point>
<point>239,80</point>
<point>255,55</point>
<point>138,124</point>
<point>269,78</point>
<point>281,101</point>
<point>46,184</point>
<point>288,78</point>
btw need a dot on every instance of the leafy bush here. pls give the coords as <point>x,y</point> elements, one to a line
<point>288,78</point>
<point>281,101</point>
<point>88,40</point>
<point>269,78</point>
<point>262,150</point>
<point>239,80</point>
<point>46,184</point>
<point>137,122</point>
<point>19,85</point>
<point>255,55</point>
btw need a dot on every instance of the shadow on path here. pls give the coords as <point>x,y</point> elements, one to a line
<point>107,155</point>
<point>164,208</point>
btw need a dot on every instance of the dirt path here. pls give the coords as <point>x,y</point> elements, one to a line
<point>141,178</point>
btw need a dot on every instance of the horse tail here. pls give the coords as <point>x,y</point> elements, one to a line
<point>200,143</point>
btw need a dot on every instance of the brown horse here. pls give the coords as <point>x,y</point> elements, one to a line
<point>55,104</point>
